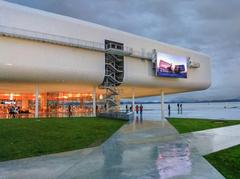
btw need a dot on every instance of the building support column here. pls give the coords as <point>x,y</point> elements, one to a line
<point>133,99</point>
<point>162,106</point>
<point>94,101</point>
<point>36,101</point>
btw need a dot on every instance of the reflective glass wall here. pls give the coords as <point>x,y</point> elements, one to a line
<point>52,104</point>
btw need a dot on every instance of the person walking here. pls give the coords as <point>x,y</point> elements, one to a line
<point>169,109</point>
<point>137,108</point>
<point>96,108</point>
<point>181,108</point>
<point>69,111</point>
<point>105,107</point>
<point>12,111</point>
<point>141,109</point>
<point>178,107</point>
<point>126,108</point>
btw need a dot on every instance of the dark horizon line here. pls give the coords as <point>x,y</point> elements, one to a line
<point>168,102</point>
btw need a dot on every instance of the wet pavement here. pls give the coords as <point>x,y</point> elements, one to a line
<point>212,140</point>
<point>142,149</point>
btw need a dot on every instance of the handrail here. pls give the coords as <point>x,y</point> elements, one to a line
<point>51,38</point>
<point>117,59</point>
<point>113,78</point>
<point>112,75</point>
<point>114,64</point>
<point>66,41</point>
<point>114,67</point>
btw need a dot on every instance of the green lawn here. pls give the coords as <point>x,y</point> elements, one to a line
<point>184,125</point>
<point>20,138</point>
<point>227,162</point>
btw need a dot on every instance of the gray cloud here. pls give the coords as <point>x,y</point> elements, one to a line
<point>211,27</point>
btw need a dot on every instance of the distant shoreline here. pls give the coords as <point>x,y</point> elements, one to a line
<point>174,102</point>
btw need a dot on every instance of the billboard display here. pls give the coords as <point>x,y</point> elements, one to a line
<point>171,66</point>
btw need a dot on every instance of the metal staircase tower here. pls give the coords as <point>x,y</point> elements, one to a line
<point>114,74</point>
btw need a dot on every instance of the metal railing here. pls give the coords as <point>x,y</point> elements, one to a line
<point>66,41</point>
<point>50,38</point>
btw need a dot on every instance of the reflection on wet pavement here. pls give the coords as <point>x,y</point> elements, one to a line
<point>140,149</point>
<point>174,160</point>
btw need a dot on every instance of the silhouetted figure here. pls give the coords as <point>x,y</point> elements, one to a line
<point>12,111</point>
<point>169,110</point>
<point>131,108</point>
<point>69,111</point>
<point>141,109</point>
<point>178,108</point>
<point>126,108</point>
<point>137,109</point>
<point>181,108</point>
<point>105,107</point>
<point>96,108</point>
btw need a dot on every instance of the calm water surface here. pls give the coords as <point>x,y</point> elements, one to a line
<point>230,110</point>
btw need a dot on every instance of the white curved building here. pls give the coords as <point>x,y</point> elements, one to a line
<point>53,53</point>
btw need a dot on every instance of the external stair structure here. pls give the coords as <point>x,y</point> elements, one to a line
<point>114,74</point>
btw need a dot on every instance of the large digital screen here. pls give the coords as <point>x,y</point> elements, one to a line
<point>171,66</point>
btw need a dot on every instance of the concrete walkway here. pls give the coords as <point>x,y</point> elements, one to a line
<point>212,140</point>
<point>142,149</point>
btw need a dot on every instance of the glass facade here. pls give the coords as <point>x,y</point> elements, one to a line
<point>51,104</point>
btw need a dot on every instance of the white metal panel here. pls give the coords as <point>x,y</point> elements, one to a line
<point>23,60</point>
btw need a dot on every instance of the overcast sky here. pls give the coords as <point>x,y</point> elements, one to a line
<point>209,26</point>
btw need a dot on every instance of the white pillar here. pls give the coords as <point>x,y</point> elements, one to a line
<point>94,101</point>
<point>36,101</point>
<point>133,99</point>
<point>162,106</point>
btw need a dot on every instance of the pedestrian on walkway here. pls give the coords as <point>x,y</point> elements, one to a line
<point>105,107</point>
<point>12,111</point>
<point>169,109</point>
<point>178,107</point>
<point>126,108</point>
<point>137,109</point>
<point>69,110</point>
<point>96,108</point>
<point>181,108</point>
<point>141,109</point>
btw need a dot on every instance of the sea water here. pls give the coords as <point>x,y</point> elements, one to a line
<point>217,110</point>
